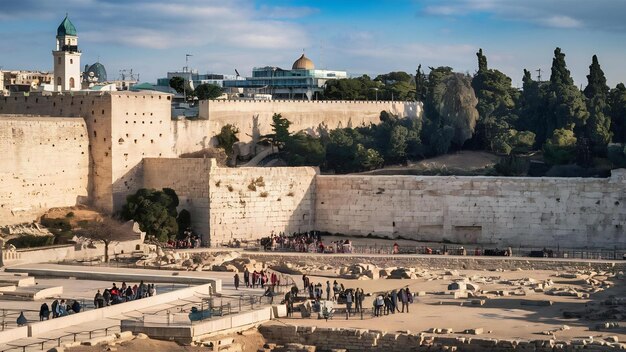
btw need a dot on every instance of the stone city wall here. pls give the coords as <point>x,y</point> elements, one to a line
<point>236,203</point>
<point>250,203</point>
<point>254,118</point>
<point>340,339</point>
<point>43,164</point>
<point>190,179</point>
<point>505,211</point>
<point>122,127</point>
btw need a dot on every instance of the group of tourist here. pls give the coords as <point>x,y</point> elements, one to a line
<point>124,293</point>
<point>189,241</point>
<point>58,308</point>
<point>388,302</point>
<point>310,242</point>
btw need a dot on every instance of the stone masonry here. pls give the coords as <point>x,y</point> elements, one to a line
<point>505,211</point>
<point>45,164</point>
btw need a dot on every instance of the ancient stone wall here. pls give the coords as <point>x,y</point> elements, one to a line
<point>190,179</point>
<point>44,163</point>
<point>142,118</point>
<point>140,128</point>
<point>505,211</point>
<point>340,339</point>
<point>250,203</point>
<point>254,118</point>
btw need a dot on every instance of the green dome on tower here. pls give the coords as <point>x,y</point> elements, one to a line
<point>66,28</point>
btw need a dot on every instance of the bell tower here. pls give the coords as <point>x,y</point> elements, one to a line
<point>66,58</point>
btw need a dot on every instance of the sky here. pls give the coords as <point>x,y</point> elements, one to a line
<point>359,36</point>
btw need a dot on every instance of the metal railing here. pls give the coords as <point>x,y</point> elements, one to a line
<point>46,343</point>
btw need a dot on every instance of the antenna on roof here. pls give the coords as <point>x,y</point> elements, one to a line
<point>538,75</point>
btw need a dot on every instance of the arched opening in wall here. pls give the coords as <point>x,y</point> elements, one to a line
<point>71,61</point>
<point>95,134</point>
<point>120,141</point>
<point>71,82</point>
<point>58,81</point>
<point>59,60</point>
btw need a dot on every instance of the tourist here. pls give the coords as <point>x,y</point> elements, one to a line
<point>236,281</point>
<point>396,248</point>
<point>152,290</point>
<point>379,301</point>
<point>107,297</point>
<point>305,281</point>
<point>404,300</point>
<point>336,290</point>
<point>409,296</point>
<point>76,307</point>
<point>348,302</point>
<point>357,300</point>
<point>61,309</point>
<point>394,302</point>
<point>98,300</point>
<point>289,300</point>
<point>54,306</point>
<point>21,320</point>
<point>246,277</point>
<point>44,312</point>
<point>255,277</point>
<point>327,290</point>
<point>387,303</point>
<point>311,295</point>
<point>129,293</point>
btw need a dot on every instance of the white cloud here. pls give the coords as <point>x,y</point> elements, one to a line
<point>599,14</point>
<point>560,21</point>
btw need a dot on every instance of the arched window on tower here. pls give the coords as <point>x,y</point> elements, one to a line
<point>71,61</point>
<point>71,82</point>
<point>59,60</point>
<point>58,81</point>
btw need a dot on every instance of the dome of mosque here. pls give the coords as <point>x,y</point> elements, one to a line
<point>66,28</point>
<point>303,63</point>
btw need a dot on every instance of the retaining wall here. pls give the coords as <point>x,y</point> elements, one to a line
<point>44,163</point>
<point>502,211</point>
<point>327,339</point>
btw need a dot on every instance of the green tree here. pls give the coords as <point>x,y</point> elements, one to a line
<point>496,107</point>
<point>367,159</point>
<point>421,88</point>
<point>599,123</point>
<point>532,108</point>
<point>396,149</point>
<point>281,134</point>
<point>340,151</point>
<point>208,91</point>
<point>155,211</point>
<point>227,137</point>
<point>302,149</point>
<point>178,83</point>
<point>617,99</point>
<point>566,105</point>
<point>561,148</point>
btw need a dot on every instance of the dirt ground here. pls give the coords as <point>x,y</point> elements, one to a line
<point>462,161</point>
<point>500,316</point>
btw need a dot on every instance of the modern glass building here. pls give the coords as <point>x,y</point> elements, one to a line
<point>303,81</point>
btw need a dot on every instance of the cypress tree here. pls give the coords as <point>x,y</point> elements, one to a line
<point>617,99</point>
<point>598,128</point>
<point>566,105</point>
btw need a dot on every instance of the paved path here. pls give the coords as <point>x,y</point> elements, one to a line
<point>50,339</point>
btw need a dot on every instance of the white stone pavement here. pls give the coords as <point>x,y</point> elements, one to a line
<point>50,338</point>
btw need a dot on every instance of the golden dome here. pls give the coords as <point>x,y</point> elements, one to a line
<point>303,63</point>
